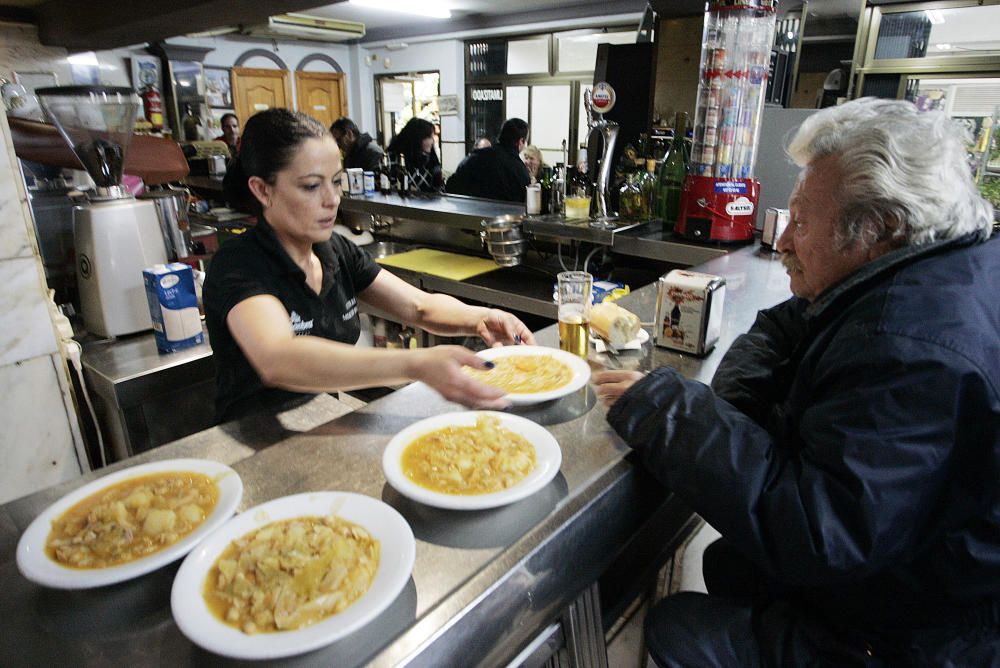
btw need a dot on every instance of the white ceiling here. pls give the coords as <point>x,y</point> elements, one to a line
<point>489,11</point>
<point>374,18</point>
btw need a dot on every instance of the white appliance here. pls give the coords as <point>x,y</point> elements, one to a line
<point>304,26</point>
<point>115,236</point>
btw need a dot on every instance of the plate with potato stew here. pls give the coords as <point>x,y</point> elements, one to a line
<point>128,523</point>
<point>292,575</point>
<point>532,374</point>
<point>471,460</point>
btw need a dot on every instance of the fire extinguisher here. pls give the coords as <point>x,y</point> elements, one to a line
<point>152,107</point>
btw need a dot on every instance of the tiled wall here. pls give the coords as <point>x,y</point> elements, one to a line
<point>38,432</point>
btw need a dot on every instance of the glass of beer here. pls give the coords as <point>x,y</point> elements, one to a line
<point>575,294</point>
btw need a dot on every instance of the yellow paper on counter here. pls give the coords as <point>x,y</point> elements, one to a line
<point>440,263</point>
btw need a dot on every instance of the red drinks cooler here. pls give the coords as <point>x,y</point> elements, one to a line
<point>720,194</point>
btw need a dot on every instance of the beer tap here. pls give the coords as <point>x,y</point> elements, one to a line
<point>608,133</point>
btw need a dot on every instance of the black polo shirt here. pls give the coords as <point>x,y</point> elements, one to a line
<point>256,264</point>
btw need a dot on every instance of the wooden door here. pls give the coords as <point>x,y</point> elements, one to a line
<point>259,89</point>
<point>321,95</point>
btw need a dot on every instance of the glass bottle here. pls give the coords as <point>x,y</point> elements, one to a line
<point>647,183</point>
<point>673,170</point>
<point>402,177</point>
<point>547,182</point>
<point>630,197</point>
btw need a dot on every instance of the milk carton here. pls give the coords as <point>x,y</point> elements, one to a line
<point>173,306</point>
<point>689,311</point>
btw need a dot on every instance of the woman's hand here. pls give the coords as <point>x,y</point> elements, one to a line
<point>610,385</point>
<point>498,327</point>
<point>440,367</point>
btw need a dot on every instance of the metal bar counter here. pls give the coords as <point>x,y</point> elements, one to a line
<point>486,585</point>
<point>638,238</point>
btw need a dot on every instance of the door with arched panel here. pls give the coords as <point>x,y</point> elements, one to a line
<point>257,89</point>
<point>322,95</point>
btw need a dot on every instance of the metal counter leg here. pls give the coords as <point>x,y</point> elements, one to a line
<point>584,631</point>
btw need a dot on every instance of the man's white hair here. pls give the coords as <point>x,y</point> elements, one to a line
<point>905,173</point>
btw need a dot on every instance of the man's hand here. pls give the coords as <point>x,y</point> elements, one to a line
<point>610,385</point>
<point>440,367</point>
<point>498,328</point>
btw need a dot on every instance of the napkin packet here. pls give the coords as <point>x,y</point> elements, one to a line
<point>173,306</point>
<point>601,291</point>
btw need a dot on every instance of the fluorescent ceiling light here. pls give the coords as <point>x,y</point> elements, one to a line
<point>934,16</point>
<point>426,8</point>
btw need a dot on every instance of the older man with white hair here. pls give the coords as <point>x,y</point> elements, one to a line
<point>849,448</point>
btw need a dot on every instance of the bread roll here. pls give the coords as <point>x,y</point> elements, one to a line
<point>614,324</point>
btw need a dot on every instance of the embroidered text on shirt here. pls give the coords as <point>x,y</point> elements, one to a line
<point>299,326</point>
<point>352,309</point>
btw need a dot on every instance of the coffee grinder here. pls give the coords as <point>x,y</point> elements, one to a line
<point>116,236</point>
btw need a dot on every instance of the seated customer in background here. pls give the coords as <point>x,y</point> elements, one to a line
<point>281,301</point>
<point>533,160</point>
<point>230,133</point>
<point>495,172</point>
<point>849,448</point>
<point>357,148</point>
<point>416,143</point>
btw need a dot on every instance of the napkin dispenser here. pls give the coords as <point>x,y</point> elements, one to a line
<point>689,311</point>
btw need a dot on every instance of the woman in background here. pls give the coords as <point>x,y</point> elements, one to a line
<point>533,160</point>
<point>415,142</point>
<point>281,301</point>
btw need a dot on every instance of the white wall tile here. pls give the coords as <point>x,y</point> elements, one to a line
<point>14,240</point>
<point>37,447</point>
<point>25,328</point>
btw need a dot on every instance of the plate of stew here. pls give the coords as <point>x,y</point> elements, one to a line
<point>128,523</point>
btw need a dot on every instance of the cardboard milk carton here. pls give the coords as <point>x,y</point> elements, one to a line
<point>173,306</point>
<point>689,311</point>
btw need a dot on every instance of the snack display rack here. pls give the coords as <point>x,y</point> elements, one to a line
<point>720,193</point>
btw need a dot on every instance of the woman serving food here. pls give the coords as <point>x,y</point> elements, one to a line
<point>281,301</point>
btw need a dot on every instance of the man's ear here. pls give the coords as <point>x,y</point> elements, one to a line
<point>261,190</point>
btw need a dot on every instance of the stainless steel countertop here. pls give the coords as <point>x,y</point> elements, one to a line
<point>484,583</point>
<point>638,238</point>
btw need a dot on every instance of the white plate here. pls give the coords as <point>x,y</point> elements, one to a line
<point>548,458</point>
<point>578,365</point>
<point>398,550</point>
<point>36,565</point>
<point>634,344</point>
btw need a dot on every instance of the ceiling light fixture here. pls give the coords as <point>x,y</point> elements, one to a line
<point>934,16</point>
<point>425,8</point>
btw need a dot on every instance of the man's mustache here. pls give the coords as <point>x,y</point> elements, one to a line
<point>790,261</point>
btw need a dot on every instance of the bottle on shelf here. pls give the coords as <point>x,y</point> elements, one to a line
<point>402,177</point>
<point>191,124</point>
<point>547,182</point>
<point>630,197</point>
<point>558,188</point>
<point>647,184</point>
<point>673,170</point>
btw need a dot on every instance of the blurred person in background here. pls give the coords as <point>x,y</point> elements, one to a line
<point>533,160</point>
<point>495,172</point>
<point>230,125</point>
<point>415,142</point>
<point>357,148</point>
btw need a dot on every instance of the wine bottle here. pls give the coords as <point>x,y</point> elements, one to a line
<point>402,177</point>
<point>547,182</point>
<point>673,170</point>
